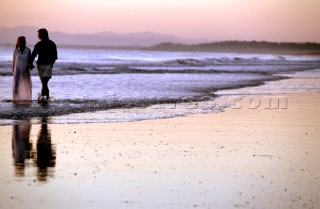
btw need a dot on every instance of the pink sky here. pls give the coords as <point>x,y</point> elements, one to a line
<point>270,20</point>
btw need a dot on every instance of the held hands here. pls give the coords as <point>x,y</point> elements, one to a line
<point>30,66</point>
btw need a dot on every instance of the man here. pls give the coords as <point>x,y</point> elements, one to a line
<point>46,51</point>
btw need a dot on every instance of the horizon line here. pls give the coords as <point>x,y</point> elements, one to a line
<point>196,40</point>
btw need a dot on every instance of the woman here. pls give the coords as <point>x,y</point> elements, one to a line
<point>21,74</point>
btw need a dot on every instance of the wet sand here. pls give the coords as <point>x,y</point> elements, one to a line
<point>246,157</point>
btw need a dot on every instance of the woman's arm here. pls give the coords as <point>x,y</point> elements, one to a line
<point>14,61</point>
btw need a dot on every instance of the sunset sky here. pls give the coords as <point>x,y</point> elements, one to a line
<point>213,20</point>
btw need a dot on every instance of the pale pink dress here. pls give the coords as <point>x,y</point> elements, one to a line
<point>22,84</point>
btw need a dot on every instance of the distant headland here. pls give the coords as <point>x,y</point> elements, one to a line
<point>154,41</point>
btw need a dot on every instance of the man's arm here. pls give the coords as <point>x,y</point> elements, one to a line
<point>34,54</point>
<point>54,55</point>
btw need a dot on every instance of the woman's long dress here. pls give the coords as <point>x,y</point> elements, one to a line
<point>22,84</point>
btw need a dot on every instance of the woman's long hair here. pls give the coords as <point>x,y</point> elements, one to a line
<point>20,40</point>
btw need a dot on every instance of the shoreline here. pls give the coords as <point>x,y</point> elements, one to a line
<point>66,107</point>
<point>172,78</point>
<point>293,82</point>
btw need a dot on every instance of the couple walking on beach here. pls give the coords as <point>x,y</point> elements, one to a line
<point>23,58</point>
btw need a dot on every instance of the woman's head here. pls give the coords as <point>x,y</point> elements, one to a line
<point>21,42</point>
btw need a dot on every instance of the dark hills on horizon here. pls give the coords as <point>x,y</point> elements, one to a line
<point>9,36</point>
<point>244,46</point>
<point>153,41</point>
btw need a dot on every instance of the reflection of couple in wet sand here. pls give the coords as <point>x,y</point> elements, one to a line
<point>23,58</point>
<point>44,156</point>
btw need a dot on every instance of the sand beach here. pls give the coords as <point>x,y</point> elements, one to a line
<point>240,158</point>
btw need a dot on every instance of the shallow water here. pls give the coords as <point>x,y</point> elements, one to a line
<point>90,80</point>
<point>84,93</point>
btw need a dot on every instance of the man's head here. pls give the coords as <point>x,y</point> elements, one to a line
<point>43,34</point>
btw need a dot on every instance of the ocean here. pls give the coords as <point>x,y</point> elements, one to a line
<point>103,85</point>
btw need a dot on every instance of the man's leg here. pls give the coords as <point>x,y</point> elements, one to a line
<point>45,89</point>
